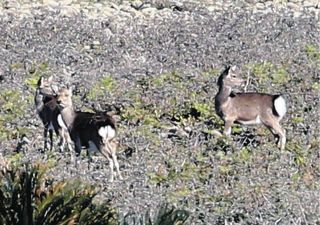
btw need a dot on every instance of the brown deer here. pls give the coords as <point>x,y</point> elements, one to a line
<point>248,108</point>
<point>95,131</point>
<point>46,107</point>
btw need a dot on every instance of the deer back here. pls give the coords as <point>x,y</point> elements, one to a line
<point>93,127</point>
<point>250,106</point>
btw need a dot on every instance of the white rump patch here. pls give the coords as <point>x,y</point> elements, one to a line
<point>107,132</point>
<point>61,122</point>
<point>257,120</point>
<point>280,106</point>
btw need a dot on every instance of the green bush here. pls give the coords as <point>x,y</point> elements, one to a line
<point>105,84</point>
<point>26,198</point>
<point>166,215</point>
<point>13,108</point>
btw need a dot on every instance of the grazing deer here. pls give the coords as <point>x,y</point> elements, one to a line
<point>248,108</point>
<point>46,107</point>
<point>95,131</point>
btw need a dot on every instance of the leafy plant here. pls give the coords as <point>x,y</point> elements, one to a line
<point>27,198</point>
<point>267,70</point>
<point>166,78</point>
<point>313,52</point>
<point>35,72</point>
<point>105,84</point>
<point>261,70</point>
<point>13,107</point>
<point>316,86</point>
<point>279,76</point>
<point>203,109</point>
<point>16,66</point>
<point>166,215</point>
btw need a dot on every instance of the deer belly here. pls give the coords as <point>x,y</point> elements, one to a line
<point>254,121</point>
<point>50,126</point>
<point>92,147</point>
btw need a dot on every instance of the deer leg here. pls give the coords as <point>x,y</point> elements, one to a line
<point>90,160</point>
<point>107,155</point>
<point>105,151</point>
<point>77,146</point>
<point>112,148</point>
<point>282,136</point>
<point>62,141</point>
<point>276,129</point>
<point>45,135</point>
<point>64,138</point>
<point>68,140</point>
<point>227,127</point>
<point>51,139</point>
<point>111,169</point>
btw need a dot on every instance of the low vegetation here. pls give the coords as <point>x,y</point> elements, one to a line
<point>28,196</point>
<point>158,76</point>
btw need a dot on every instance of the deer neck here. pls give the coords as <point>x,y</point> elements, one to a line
<point>223,94</point>
<point>68,115</point>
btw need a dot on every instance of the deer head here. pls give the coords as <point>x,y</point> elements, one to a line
<point>230,77</point>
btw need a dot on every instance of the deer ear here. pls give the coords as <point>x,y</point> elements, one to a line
<point>234,68</point>
<point>40,81</point>
<point>50,79</point>
<point>70,90</point>
<point>55,89</point>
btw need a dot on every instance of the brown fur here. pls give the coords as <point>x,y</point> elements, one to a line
<point>84,129</point>
<point>246,108</point>
<point>48,112</point>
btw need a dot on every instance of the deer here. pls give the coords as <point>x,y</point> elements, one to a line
<point>47,109</point>
<point>248,108</point>
<point>94,131</point>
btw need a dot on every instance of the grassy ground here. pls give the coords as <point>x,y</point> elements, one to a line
<point>159,76</point>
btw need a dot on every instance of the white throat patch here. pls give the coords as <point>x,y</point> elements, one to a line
<point>61,122</point>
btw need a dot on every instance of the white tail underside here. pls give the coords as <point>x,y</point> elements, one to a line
<point>107,132</point>
<point>280,106</point>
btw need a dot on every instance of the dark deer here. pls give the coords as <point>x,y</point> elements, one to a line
<point>248,108</point>
<point>48,112</point>
<point>95,131</point>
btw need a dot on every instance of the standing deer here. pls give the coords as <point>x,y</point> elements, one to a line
<point>46,107</point>
<point>248,108</point>
<point>95,131</point>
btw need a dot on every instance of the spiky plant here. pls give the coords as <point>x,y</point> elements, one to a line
<point>25,199</point>
<point>166,215</point>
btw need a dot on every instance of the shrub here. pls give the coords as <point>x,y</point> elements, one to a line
<point>27,198</point>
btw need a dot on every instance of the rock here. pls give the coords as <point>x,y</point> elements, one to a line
<point>137,4</point>
<point>311,4</point>
<point>212,8</point>
<point>51,3</point>
<point>260,6</point>
<point>9,4</point>
<point>149,11</point>
<point>66,2</point>
<point>294,6</point>
<point>295,1</point>
<point>69,11</point>
<point>297,13</point>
